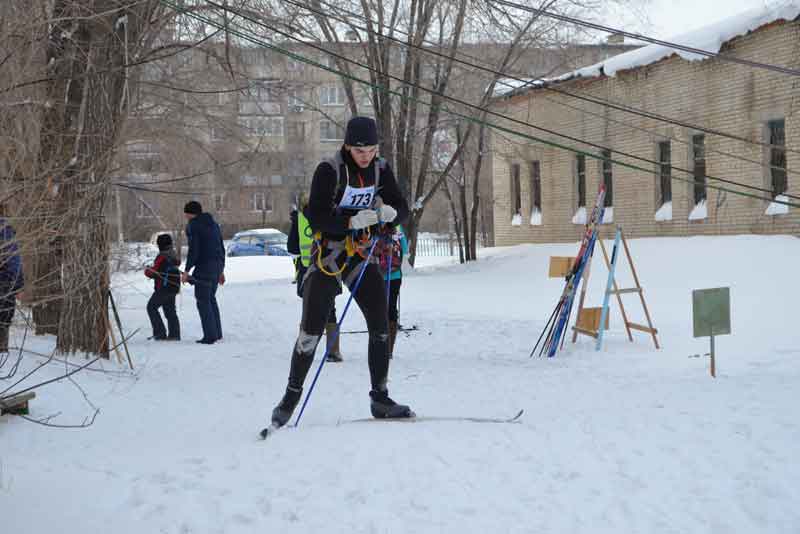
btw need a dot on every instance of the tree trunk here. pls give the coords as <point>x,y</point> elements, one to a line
<point>86,56</point>
<point>476,198</point>
<point>456,223</point>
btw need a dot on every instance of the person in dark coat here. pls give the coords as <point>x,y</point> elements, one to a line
<point>12,279</point>
<point>354,197</point>
<point>206,256</point>
<point>166,285</point>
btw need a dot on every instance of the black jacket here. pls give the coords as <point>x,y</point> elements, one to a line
<point>325,195</point>
<point>163,280</point>
<point>206,251</point>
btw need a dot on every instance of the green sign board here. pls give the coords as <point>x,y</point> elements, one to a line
<point>712,311</point>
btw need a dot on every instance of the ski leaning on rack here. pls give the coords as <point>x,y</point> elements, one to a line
<point>557,324</point>
<point>270,430</point>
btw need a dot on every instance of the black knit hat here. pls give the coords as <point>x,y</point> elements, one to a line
<point>193,207</point>
<point>361,131</point>
<point>164,242</point>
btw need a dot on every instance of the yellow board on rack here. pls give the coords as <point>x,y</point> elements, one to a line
<point>560,266</point>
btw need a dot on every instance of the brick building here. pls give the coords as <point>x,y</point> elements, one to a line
<point>542,193</point>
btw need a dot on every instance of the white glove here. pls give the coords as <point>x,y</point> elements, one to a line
<point>386,213</point>
<point>363,219</point>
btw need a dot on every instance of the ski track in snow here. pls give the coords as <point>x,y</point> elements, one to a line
<point>626,440</point>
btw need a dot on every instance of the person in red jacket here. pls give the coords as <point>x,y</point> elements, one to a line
<point>166,284</point>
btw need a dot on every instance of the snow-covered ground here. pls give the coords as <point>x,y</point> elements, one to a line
<point>628,440</point>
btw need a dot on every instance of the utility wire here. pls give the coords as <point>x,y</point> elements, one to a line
<point>255,40</point>
<point>498,73</point>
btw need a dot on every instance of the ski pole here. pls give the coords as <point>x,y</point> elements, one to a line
<point>546,325</point>
<point>353,291</point>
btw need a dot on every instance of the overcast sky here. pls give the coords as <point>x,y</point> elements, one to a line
<point>666,18</point>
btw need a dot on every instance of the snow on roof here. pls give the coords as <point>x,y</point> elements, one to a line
<point>709,38</point>
<point>505,86</point>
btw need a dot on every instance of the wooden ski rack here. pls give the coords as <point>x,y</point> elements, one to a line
<point>589,326</point>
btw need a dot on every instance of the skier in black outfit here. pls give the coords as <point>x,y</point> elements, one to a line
<point>354,196</point>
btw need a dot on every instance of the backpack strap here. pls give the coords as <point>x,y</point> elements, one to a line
<point>336,162</point>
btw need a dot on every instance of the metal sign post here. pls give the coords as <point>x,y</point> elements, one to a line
<point>712,316</point>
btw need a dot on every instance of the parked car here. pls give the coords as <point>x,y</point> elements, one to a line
<point>259,242</point>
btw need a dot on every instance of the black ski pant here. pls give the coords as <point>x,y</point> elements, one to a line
<point>319,292</point>
<point>394,293</point>
<point>167,302</point>
<point>299,276</point>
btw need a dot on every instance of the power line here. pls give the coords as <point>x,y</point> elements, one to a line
<point>527,82</point>
<point>646,39</point>
<point>498,73</point>
<point>298,57</point>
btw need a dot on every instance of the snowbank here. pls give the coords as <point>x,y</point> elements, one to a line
<point>627,440</point>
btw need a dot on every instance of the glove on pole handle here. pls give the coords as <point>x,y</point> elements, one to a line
<point>336,333</point>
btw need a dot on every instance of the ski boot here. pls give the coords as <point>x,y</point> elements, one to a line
<point>383,407</point>
<point>283,411</point>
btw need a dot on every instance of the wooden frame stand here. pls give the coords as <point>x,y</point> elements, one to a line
<point>588,322</point>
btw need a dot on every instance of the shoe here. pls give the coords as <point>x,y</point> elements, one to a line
<point>283,411</point>
<point>158,338</point>
<point>172,338</point>
<point>206,341</point>
<point>383,407</point>
<point>335,358</point>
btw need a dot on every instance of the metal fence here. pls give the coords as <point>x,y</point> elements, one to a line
<point>436,246</point>
<point>441,245</point>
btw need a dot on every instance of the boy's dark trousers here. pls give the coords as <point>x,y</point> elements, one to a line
<point>166,301</point>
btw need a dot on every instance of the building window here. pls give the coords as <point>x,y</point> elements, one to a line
<point>276,179</point>
<point>296,130</point>
<point>699,158</point>
<point>608,178</point>
<point>328,61</point>
<point>536,186</point>
<point>330,131</point>
<point>516,197</point>
<point>260,201</point>
<point>264,126</point>
<point>220,202</point>
<point>218,133</point>
<point>665,172</point>
<point>580,179</point>
<point>297,165</point>
<point>294,65</point>
<point>777,157</point>
<point>296,103</point>
<point>332,95</point>
<point>263,91</point>
<point>143,210</point>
